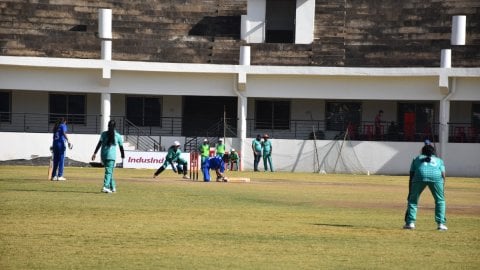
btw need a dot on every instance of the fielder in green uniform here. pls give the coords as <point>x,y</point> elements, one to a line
<point>267,152</point>
<point>426,170</point>
<point>108,142</point>
<point>204,150</point>
<point>257,152</point>
<point>233,159</point>
<point>173,155</point>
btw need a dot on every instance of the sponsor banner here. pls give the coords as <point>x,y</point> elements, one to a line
<point>148,160</point>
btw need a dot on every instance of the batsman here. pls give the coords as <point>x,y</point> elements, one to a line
<point>173,156</point>
<point>214,163</point>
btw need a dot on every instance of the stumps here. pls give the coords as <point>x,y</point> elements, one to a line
<point>194,165</point>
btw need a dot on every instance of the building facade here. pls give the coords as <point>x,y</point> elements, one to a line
<point>296,69</point>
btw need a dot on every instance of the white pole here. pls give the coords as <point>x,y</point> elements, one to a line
<point>446,58</point>
<point>105,32</point>
<point>106,108</point>
<point>245,55</point>
<point>459,28</point>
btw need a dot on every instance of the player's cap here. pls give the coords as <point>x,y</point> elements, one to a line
<point>220,140</point>
<point>176,143</point>
<point>233,150</point>
<point>205,140</point>
<point>266,135</point>
<point>427,142</point>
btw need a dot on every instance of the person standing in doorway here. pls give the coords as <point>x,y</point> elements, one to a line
<point>108,142</point>
<point>257,151</point>
<point>267,152</point>
<point>60,137</point>
<point>378,125</point>
<point>426,170</point>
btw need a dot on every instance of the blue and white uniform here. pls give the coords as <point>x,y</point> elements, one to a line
<point>59,147</point>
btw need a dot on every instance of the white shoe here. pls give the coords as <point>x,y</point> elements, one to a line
<point>186,176</point>
<point>442,227</point>
<point>61,178</point>
<point>106,190</point>
<point>54,178</point>
<point>409,226</point>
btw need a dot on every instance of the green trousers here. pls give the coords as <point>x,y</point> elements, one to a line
<point>267,160</point>
<point>436,188</point>
<point>108,181</point>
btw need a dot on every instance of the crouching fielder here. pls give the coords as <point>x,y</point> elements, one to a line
<point>214,163</point>
<point>426,170</point>
<point>108,141</point>
<point>173,156</point>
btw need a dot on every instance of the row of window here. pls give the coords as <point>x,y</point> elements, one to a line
<point>269,114</point>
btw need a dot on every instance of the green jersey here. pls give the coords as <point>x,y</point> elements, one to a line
<point>427,171</point>
<point>109,152</point>
<point>233,156</point>
<point>173,154</point>
<point>267,147</point>
<point>204,150</point>
<point>220,149</point>
<point>257,145</point>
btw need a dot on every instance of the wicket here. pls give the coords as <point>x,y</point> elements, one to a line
<point>194,160</point>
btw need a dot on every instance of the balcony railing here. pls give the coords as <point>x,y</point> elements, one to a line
<point>293,129</point>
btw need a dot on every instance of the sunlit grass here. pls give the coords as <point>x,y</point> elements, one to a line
<point>278,221</point>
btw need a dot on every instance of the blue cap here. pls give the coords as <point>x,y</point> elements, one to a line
<point>427,142</point>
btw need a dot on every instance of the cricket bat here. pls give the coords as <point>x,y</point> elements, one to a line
<point>50,165</point>
<point>50,168</point>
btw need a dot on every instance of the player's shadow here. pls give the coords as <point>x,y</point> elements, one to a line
<point>334,225</point>
<point>55,191</point>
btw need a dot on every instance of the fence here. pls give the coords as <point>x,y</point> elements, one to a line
<point>294,129</point>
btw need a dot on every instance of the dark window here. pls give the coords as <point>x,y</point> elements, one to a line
<point>339,115</point>
<point>69,106</point>
<point>272,114</point>
<point>5,107</point>
<point>144,111</point>
<point>476,116</point>
<point>280,21</point>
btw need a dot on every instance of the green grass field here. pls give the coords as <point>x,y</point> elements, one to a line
<point>277,221</point>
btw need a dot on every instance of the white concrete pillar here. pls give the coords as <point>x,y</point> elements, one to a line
<point>245,55</point>
<point>459,28</point>
<point>106,110</point>
<point>242,127</point>
<point>443,131</point>
<point>105,32</point>
<point>446,58</point>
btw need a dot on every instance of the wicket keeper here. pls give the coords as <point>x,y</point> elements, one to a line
<point>173,156</point>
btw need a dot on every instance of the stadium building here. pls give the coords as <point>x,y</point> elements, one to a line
<point>311,74</point>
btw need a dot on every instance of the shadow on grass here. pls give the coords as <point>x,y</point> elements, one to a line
<point>334,225</point>
<point>54,191</point>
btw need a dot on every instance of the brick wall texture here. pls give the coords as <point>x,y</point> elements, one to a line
<point>352,33</point>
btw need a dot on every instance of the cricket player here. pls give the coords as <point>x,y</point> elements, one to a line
<point>426,170</point>
<point>58,146</point>
<point>267,152</point>
<point>214,163</point>
<point>173,156</point>
<point>108,142</point>
<point>233,159</point>
<point>257,152</point>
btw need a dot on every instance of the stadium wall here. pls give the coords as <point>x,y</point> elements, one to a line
<point>390,158</point>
